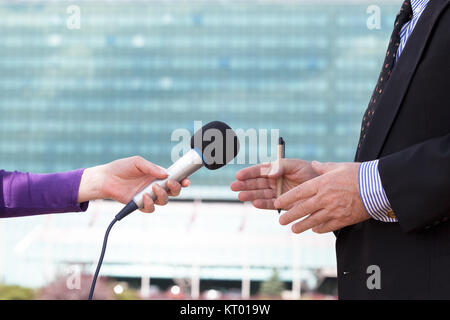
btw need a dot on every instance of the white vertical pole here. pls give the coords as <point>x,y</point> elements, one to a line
<point>245,289</point>
<point>145,286</point>
<point>195,282</point>
<point>245,282</point>
<point>296,284</point>
<point>195,267</point>
<point>296,276</point>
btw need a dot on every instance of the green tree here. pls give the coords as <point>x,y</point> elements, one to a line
<point>8,292</point>
<point>127,294</point>
<point>273,287</point>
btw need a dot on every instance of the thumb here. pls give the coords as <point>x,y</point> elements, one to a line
<point>150,168</point>
<point>275,169</point>
<point>282,167</point>
<point>322,168</point>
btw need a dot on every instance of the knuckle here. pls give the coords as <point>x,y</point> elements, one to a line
<point>341,206</point>
<point>325,184</point>
<point>301,208</point>
<point>326,199</point>
<point>320,199</point>
<point>334,214</point>
<point>298,192</point>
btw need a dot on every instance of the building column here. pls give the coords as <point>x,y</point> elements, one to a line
<point>245,283</point>
<point>296,276</point>
<point>245,290</point>
<point>145,286</point>
<point>195,282</point>
<point>296,284</point>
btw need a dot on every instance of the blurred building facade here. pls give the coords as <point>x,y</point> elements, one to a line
<point>134,72</point>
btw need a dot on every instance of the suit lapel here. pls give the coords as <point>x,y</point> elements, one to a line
<point>394,92</point>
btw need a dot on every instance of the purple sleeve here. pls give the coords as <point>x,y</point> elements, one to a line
<point>26,194</point>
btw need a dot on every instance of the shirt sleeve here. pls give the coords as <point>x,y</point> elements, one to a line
<point>25,194</point>
<point>372,192</point>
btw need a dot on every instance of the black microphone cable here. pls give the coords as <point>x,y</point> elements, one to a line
<point>129,208</point>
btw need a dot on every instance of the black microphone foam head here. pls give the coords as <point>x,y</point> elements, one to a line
<point>218,144</point>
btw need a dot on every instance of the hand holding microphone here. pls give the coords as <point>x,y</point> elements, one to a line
<point>121,179</point>
<point>212,146</point>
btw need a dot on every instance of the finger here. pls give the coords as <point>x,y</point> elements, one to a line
<point>271,169</point>
<point>251,184</point>
<point>148,203</point>
<point>322,168</point>
<point>301,209</point>
<point>185,183</point>
<point>147,167</point>
<point>264,204</point>
<point>237,186</point>
<point>331,225</point>
<point>303,191</point>
<point>311,221</point>
<point>161,195</point>
<point>257,194</point>
<point>252,172</point>
<point>282,167</point>
<point>174,188</point>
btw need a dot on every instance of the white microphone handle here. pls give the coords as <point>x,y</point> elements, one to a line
<point>182,168</point>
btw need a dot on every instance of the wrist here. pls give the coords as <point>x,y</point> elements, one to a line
<point>372,193</point>
<point>91,184</point>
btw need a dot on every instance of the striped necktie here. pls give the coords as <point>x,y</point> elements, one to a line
<point>403,17</point>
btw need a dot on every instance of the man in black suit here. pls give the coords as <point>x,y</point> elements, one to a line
<point>390,208</point>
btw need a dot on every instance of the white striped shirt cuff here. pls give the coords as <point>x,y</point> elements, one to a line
<point>372,192</point>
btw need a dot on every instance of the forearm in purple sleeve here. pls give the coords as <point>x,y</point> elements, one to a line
<point>25,194</point>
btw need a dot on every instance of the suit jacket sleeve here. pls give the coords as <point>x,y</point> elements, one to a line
<point>417,183</point>
<point>24,194</point>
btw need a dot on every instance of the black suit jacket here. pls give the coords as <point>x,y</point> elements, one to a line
<point>410,134</point>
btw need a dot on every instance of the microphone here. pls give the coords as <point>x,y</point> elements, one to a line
<point>212,146</point>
